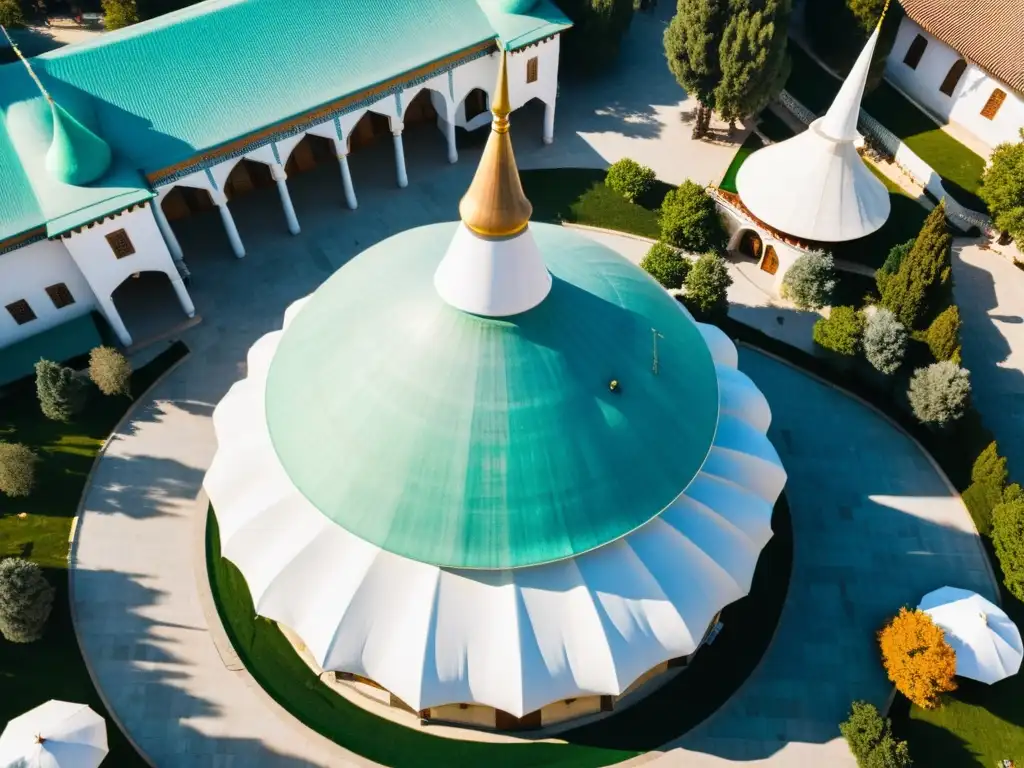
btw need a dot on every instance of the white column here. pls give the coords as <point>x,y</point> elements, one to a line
<point>449,132</point>
<point>229,223</point>
<point>346,174</point>
<point>278,172</point>
<point>165,229</point>
<point>182,293</point>
<point>549,122</point>
<point>114,318</point>
<point>403,178</point>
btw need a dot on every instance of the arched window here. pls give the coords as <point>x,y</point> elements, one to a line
<point>915,51</point>
<point>995,101</point>
<point>953,77</point>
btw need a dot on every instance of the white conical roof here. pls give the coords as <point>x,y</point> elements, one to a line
<point>815,186</point>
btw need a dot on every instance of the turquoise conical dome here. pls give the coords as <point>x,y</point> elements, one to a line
<point>76,155</point>
<point>491,442</point>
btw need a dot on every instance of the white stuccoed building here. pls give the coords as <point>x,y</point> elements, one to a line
<point>96,164</point>
<point>963,61</point>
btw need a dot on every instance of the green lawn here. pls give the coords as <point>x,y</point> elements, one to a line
<point>579,196</point>
<point>717,671</point>
<point>959,167</point>
<point>747,148</point>
<point>52,668</point>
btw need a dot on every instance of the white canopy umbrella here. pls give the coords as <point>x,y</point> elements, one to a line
<point>987,644</point>
<point>57,734</point>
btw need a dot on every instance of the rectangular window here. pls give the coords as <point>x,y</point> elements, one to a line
<point>915,51</point>
<point>531,70</point>
<point>120,244</point>
<point>60,295</point>
<point>21,312</point>
<point>995,101</point>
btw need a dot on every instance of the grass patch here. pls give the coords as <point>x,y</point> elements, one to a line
<point>750,145</point>
<point>579,196</point>
<point>52,668</point>
<point>717,671</point>
<point>959,167</point>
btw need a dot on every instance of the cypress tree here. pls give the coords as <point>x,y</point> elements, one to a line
<point>753,59</point>
<point>61,393</point>
<point>692,40</point>
<point>924,276</point>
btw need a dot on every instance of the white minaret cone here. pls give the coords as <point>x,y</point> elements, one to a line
<point>840,122</point>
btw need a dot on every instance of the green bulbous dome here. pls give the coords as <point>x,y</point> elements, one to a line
<point>480,442</point>
<point>514,6</point>
<point>76,155</point>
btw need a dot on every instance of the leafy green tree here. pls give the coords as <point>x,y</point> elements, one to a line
<point>110,371</point>
<point>17,469</point>
<point>990,467</point>
<point>1008,538</point>
<point>689,219</point>
<point>60,391</point>
<point>986,491</point>
<point>629,179</point>
<point>891,265</point>
<point>707,287</point>
<point>870,738</point>
<point>728,54</point>
<point>885,341</point>
<point>841,331</point>
<point>119,13</point>
<point>1002,188</point>
<point>753,59</point>
<point>26,599</point>
<point>944,334</point>
<point>809,282</point>
<point>938,394</point>
<point>10,14</point>
<point>593,42</point>
<point>924,278</point>
<point>666,265</point>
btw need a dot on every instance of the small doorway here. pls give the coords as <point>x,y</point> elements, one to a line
<point>310,152</point>
<point>770,262</point>
<point>421,110</point>
<point>182,202</point>
<point>370,127</point>
<point>750,245</point>
<point>246,176</point>
<point>476,103</point>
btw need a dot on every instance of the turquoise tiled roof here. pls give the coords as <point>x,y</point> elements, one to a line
<point>167,89</point>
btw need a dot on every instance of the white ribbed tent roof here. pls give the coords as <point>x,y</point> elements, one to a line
<point>514,639</point>
<point>815,185</point>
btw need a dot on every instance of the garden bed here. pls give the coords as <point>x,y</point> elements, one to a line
<point>53,668</point>
<point>683,702</point>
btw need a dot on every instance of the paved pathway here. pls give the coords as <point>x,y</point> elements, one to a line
<point>990,293</point>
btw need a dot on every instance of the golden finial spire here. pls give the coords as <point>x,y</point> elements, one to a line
<point>495,204</point>
<point>885,10</point>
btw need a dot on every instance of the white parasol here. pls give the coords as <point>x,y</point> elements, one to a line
<point>57,734</point>
<point>987,644</point>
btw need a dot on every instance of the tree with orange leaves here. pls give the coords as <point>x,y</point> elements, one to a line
<point>917,657</point>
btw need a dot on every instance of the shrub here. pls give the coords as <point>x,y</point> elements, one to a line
<point>59,389</point>
<point>26,598</point>
<point>1008,539</point>
<point>885,341</point>
<point>630,179</point>
<point>110,371</point>
<point>707,287</point>
<point>938,393</point>
<point>17,469</point>
<point>840,332</point>
<point>891,265</point>
<point>944,334</point>
<point>10,14</point>
<point>666,265</point>
<point>119,13</point>
<point>1002,188</point>
<point>689,220</point>
<point>810,281</point>
<point>990,467</point>
<point>917,657</point>
<point>870,738</point>
<point>924,277</point>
